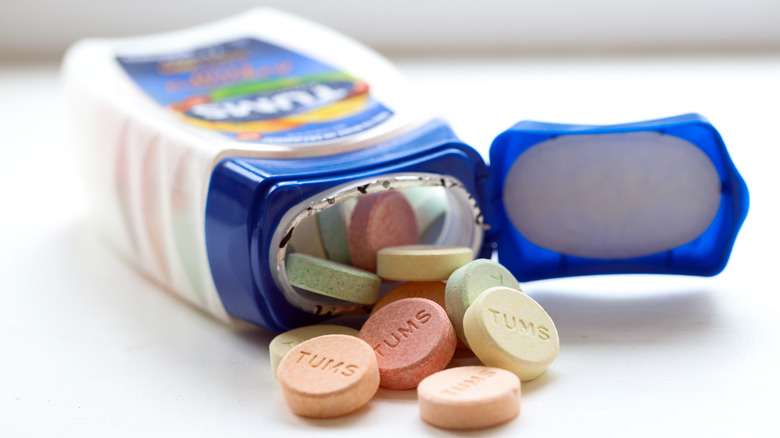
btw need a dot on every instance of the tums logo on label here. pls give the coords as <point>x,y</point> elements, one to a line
<point>273,104</point>
<point>251,90</point>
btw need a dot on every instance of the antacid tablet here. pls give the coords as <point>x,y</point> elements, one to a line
<point>431,208</point>
<point>421,262</point>
<point>334,223</point>
<point>307,238</point>
<point>507,329</point>
<point>378,221</point>
<point>328,376</point>
<point>432,290</point>
<point>332,279</point>
<point>469,397</point>
<point>412,338</point>
<point>286,341</point>
<point>468,282</point>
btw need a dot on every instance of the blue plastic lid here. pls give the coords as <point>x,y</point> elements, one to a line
<point>660,196</point>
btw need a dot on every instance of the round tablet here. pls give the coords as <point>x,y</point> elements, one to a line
<point>412,338</point>
<point>328,376</point>
<point>507,329</point>
<point>469,397</point>
<point>468,282</point>
<point>285,342</point>
<point>432,290</point>
<point>334,222</point>
<point>430,206</point>
<point>421,262</point>
<point>380,220</point>
<point>332,279</point>
<point>306,238</point>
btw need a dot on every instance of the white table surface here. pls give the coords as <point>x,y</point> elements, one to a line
<point>91,348</point>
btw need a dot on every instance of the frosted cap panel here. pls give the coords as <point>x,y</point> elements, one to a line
<point>612,196</point>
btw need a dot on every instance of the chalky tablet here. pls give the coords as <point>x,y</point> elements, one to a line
<point>412,338</point>
<point>432,290</point>
<point>468,282</point>
<point>334,222</point>
<point>507,329</point>
<point>286,341</point>
<point>306,238</point>
<point>430,205</point>
<point>471,397</point>
<point>336,280</point>
<point>380,220</point>
<point>328,376</point>
<point>421,262</point>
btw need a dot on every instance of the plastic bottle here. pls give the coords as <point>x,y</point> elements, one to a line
<point>204,149</point>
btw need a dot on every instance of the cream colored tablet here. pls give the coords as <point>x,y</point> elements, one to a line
<point>421,262</point>
<point>306,238</point>
<point>468,282</point>
<point>329,376</point>
<point>507,329</point>
<point>286,341</point>
<point>472,397</point>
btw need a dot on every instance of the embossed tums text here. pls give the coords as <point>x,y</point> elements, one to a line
<point>519,325</point>
<point>403,332</point>
<point>468,383</point>
<point>325,363</point>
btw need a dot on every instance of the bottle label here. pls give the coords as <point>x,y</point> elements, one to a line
<point>255,91</point>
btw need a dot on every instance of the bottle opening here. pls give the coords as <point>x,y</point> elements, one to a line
<point>398,209</point>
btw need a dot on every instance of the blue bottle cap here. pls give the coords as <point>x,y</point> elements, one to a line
<point>660,196</point>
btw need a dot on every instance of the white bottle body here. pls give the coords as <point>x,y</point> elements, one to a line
<point>148,172</point>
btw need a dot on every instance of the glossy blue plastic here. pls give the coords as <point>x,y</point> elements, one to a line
<point>249,196</point>
<point>706,255</point>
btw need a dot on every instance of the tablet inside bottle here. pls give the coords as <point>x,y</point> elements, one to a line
<point>434,209</point>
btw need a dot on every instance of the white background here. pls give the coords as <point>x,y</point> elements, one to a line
<point>43,28</point>
<point>91,348</point>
